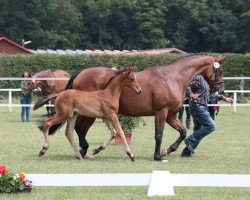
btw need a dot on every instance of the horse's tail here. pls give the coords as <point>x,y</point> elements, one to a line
<point>53,129</point>
<point>44,100</point>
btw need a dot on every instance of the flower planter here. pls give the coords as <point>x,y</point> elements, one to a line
<point>26,190</point>
<point>11,183</point>
<point>128,136</point>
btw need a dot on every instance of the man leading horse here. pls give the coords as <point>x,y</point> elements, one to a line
<point>164,92</point>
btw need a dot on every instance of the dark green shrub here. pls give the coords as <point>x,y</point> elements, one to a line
<point>14,65</point>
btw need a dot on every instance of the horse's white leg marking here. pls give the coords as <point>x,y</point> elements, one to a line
<point>69,134</point>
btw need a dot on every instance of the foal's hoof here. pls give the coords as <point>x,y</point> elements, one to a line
<point>131,157</point>
<point>96,151</point>
<point>41,153</point>
<point>79,158</point>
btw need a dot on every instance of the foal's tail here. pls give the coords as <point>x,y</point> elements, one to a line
<point>54,128</point>
<point>44,100</point>
<point>39,104</point>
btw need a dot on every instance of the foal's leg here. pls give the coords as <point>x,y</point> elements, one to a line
<point>105,144</point>
<point>160,118</point>
<point>46,124</point>
<point>176,124</point>
<point>115,123</point>
<point>69,134</point>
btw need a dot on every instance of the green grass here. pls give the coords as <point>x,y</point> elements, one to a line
<point>225,151</point>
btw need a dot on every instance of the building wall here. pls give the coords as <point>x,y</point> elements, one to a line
<point>7,48</point>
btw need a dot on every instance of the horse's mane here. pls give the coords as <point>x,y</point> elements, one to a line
<point>187,56</point>
<point>71,80</point>
<point>179,58</point>
<point>116,74</point>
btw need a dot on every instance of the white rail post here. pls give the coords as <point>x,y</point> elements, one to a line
<point>235,101</point>
<point>10,101</point>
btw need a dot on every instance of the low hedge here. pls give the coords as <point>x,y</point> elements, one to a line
<point>15,65</point>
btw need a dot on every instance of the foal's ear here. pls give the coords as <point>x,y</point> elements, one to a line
<point>132,68</point>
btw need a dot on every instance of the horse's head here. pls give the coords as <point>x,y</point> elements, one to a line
<point>48,85</point>
<point>131,80</point>
<point>27,83</point>
<point>214,75</point>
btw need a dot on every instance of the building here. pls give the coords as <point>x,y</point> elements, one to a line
<point>9,47</point>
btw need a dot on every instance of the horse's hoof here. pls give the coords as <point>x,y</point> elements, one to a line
<point>83,152</point>
<point>158,158</point>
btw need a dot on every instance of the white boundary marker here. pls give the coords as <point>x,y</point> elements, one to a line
<point>160,183</point>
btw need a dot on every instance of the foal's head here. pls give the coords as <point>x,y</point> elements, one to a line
<point>130,80</point>
<point>214,75</point>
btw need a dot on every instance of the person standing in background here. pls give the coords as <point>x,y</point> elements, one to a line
<point>25,97</point>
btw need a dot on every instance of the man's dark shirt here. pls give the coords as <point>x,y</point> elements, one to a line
<point>199,86</point>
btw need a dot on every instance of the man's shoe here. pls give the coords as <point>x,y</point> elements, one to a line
<point>185,155</point>
<point>189,146</point>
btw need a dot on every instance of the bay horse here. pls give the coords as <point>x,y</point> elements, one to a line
<point>50,86</point>
<point>163,95</point>
<point>97,104</point>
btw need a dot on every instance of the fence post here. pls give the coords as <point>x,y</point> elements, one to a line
<point>235,101</point>
<point>10,101</point>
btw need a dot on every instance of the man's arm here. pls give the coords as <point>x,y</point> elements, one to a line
<point>226,99</point>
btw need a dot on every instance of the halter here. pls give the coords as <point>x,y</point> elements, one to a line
<point>216,67</point>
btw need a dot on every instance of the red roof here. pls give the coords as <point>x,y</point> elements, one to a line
<point>12,47</point>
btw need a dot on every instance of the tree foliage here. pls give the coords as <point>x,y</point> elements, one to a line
<point>194,26</point>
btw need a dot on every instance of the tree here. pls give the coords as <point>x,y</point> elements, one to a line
<point>149,24</point>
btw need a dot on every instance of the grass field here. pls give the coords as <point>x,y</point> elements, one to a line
<point>225,151</point>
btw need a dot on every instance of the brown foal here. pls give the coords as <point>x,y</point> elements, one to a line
<point>98,104</point>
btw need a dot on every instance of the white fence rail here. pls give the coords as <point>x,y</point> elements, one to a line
<point>235,104</point>
<point>11,105</point>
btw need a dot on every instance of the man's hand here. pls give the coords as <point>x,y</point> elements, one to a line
<point>228,100</point>
<point>194,96</point>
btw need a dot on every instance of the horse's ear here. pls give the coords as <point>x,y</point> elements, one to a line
<point>132,68</point>
<point>221,57</point>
